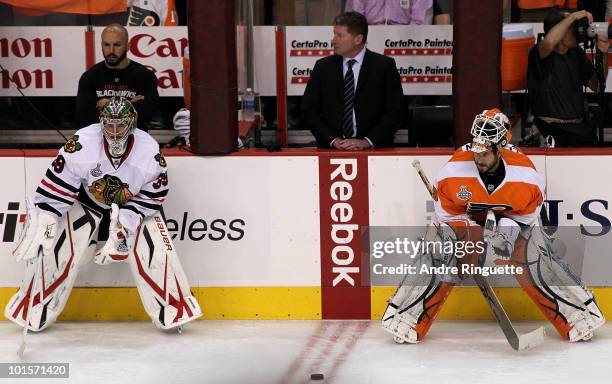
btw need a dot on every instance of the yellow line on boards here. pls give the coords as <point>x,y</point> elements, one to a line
<point>120,304</point>
<point>277,303</point>
<point>467,303</point>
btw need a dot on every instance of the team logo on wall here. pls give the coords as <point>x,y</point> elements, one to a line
<point>143,17</point>
<point>464,194</point>
<point>73,145</point>
<point>110,189</point>
<point>160,159</point>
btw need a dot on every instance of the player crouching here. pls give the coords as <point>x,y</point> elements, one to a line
<point>489,177</point>
<point>108,178</point>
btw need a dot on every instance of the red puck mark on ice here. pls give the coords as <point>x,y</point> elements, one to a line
<point>349,346</point>
<point>327,350</point>
<point>314,338</point>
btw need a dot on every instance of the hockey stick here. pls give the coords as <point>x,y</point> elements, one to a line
<point>22,347</point>
<point>516,341</point>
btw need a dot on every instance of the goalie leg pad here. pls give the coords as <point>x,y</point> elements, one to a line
<point>159,276</point>
<point>58,271</point>
<point>410,320</point>
<point>418,300</point>
<point>559,295</point>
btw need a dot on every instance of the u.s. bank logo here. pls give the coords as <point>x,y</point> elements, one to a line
<point>464,194</point>
<point>11,219</point>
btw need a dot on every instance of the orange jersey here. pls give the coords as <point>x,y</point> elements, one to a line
<point>540,4</point>
<point>45,7</point>
<point>461,192</point>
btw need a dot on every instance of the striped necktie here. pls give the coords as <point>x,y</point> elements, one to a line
<point>349,98</point>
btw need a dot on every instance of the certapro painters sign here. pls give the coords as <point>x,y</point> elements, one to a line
<point>423,55</point>
<point>304,46</point>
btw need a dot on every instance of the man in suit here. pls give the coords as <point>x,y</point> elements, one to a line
<point>354,99</point>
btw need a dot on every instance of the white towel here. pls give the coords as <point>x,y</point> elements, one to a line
<point>181,123</point>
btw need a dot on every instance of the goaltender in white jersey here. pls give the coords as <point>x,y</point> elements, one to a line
<point>107,182</point>
<point>136,181</point>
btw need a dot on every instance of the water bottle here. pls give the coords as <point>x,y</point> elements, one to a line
<point>248,105</point>
<point>240,106</point>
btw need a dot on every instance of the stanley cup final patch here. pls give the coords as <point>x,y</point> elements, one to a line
<point>96,172</point>
<point>464,194</point>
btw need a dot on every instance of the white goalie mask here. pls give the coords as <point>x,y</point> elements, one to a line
<point>118,121</point>
<point>490,128</point>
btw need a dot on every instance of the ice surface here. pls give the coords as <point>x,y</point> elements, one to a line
<point>254,352</point>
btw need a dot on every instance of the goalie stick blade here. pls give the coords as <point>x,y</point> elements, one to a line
<point>531,339</point>
<point>516,341</point>
<point>497,310</point>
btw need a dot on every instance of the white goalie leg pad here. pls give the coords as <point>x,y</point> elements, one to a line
<point>159,276</point>
<point>586,320</point>
<point>557,283</point>
<point>58,270</point>
<point>405,306</point>
<point>402,324</point>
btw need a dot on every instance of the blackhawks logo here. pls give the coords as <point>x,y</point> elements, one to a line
<point>160,159</point>
<point>73,145</point>
<point>110,189</point>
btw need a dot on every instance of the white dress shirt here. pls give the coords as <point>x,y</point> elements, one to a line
<point>356,68</point>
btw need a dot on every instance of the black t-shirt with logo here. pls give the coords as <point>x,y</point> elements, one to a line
<point>102,82</point>
<point>556,83</point>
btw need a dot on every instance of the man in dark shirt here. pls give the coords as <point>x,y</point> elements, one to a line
<point>116,76</point>
<point>557,72</point>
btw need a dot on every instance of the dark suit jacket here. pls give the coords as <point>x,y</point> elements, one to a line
<point>379,100</point>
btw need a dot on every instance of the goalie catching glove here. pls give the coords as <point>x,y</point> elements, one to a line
<point>116,248</point>
<point>39,231</point>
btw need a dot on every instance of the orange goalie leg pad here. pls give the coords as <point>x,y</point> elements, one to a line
<point>549,308</point>
<point>432,306</point>
<point>464,232</point>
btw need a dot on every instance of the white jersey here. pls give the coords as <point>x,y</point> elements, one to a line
<point>137,182</point>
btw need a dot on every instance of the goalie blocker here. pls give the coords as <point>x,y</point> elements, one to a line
<point>158,274</point>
